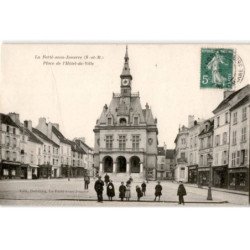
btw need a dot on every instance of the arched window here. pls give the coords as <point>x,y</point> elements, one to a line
<point>123,121</point>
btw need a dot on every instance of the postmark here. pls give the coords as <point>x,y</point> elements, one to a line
<point>217,68</point>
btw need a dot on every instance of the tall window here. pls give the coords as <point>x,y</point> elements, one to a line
<point>14,156</point>
<point>218,121</point>
<point>109,141</point>
<point>183,156</point>
<point>122,142</point>
<point>234,141</point>
<point>243,157</point>
<point>243,134</point>
<point>234,117</point>
<point>233,159</point>
<point>209,142</point>
<point>14,131</point>
<point>238,158</point>
<point>217,140</point>
<point>109,121</point>
<point>191,142</point>
<point>136,120</point>
<point>8,129</point>
<point>182,173</point>
<point>195,141</point>
<point>244,113</point>
<point>44,148</point>
<point>191,158</point>
<point>202,143</point>
<point>226,117</point>
<point>202,160</point>
<point>225,138</point>
<point>135,142</point>
<point>224,157</point>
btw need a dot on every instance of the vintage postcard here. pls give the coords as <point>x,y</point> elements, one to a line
<point>124,125</point>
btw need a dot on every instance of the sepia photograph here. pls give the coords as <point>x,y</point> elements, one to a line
<point>124,125</point>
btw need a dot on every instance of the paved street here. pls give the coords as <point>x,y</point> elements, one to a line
<point>61,192</point>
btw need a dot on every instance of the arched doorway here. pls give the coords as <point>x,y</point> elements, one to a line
<point>121,164</point>
<point>108,164</point>
<point>135,164</point>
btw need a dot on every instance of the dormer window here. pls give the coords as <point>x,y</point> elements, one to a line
<point>123,121</point>
<point>109,121</point>
<point>136,120</point>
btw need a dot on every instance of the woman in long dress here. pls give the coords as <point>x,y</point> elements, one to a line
<point>110,190</point>
<point>128,192</point>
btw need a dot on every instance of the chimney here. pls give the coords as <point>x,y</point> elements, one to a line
<point>28,124</point>
<point>190,121</point>
<point>15,118</point>
<point>49,130</point>
<point>56,125</point>
<point>42,121</point>
<point>227,93</point>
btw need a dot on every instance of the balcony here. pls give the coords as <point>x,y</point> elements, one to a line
<point>125,150</point>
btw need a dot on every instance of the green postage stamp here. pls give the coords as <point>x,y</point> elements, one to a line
<point>216,68</point>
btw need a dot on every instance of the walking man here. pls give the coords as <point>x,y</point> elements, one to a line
<point>143,188</point>
<point>122,191</point>
<point>158,189</point>
<point>99,189</point>
<point>181,193</point>
<point>139,193</point>
<point>86,181</point>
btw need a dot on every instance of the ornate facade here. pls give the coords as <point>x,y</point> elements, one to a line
<point>126,134</point>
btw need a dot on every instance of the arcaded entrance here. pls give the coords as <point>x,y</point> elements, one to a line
<point>135,164</point>
<point>121,164</point>
<point>108,164</point>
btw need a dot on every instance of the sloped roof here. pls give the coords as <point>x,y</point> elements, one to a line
<point>117,107</point>
<point>79,143</point>
<point>60,136</point>
<point>225,102</point>
<point>75,147</point>
<point>44,137</point>
<point>170,153</point>
<point>241,102</point>
<point>5,119</point>
<point>31,136</point>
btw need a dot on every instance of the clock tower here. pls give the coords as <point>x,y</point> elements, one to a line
<point>126,77</point>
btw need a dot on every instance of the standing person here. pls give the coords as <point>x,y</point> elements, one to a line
<point>106,179</point>
<point>122,191</point>
<point>99,188</point>
<point>143,188</point>
<point>181,193</point>
<point>131,179</point>
<point>158,189</point>
<point>139,193</point>
<point>128,182</point>
<point>110,190</point>
<point>86,181</point>
<point>128,192</point>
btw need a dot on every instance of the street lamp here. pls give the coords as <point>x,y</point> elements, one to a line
<point>209,192</point>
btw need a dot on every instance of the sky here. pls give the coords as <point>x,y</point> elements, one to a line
<point>166,75</point>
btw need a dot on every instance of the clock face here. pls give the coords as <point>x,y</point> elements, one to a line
<point>125,82</point>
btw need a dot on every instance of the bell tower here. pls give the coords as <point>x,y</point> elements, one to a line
<point>126,77</point>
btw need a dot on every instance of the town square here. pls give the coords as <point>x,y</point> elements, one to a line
<point>205,163</point>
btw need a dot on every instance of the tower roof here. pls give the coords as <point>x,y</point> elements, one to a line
<point>126,69</point>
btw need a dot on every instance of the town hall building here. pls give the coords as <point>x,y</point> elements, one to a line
<point>126,135</point>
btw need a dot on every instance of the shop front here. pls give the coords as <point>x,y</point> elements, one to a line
<point>203,176</point>
<point>220,176</point>
<point>44,171</point>
<point>238,179</point>
<point>10,170</point>
<point>81,172</point>
<point>66,171</point>
<point>192,174</point>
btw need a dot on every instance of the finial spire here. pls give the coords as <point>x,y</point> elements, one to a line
<point>126,69</point>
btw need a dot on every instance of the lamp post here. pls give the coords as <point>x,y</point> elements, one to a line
<point>209,192</point>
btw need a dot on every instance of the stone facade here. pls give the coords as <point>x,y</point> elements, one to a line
<point>126,134</point>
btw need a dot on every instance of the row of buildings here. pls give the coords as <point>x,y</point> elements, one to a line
<point>42,152</point>
<point>216,151</point>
